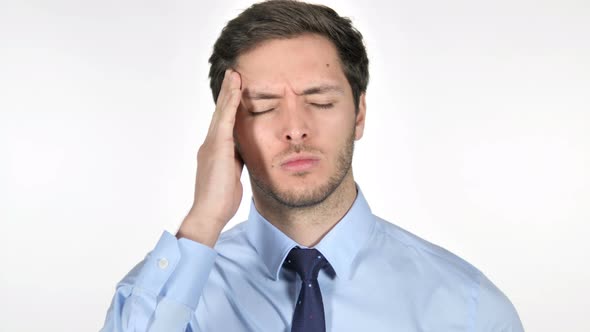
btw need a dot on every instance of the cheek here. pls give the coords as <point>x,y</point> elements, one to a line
<point>250,131</point>
<point>335,125</point>
<point>254,139</point>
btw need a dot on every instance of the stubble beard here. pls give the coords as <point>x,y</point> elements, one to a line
<point>311,196</point>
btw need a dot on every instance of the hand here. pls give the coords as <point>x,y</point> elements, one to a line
<point>218,190</point>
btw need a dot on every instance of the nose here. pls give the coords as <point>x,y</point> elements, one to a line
<point>295,135</point>
<point>295,125</point>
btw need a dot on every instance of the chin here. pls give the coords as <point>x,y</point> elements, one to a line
<point>299,192</point>
<point>302,197</point>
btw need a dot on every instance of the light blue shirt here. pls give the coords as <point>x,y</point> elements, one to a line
<point>387,279</point>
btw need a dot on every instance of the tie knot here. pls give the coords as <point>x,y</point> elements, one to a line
<point>306,262</point>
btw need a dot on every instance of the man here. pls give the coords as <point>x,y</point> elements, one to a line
<point>289,82</point>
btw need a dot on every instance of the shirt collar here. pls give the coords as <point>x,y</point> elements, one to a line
<point>339,246</point>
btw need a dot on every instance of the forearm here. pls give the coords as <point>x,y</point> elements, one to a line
<point>162,292</point>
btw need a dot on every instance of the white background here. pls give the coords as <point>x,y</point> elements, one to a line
<point>477,139</point>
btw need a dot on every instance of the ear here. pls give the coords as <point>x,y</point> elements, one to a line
<point>360,118</point>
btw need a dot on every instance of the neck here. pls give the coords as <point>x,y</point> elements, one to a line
<point>307,226</point>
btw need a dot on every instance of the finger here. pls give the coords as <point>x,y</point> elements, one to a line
<point>220,100</point>
<point>227,87</point>
<point>227,113</point>
<point>223,88</point>
<point>226,96</point>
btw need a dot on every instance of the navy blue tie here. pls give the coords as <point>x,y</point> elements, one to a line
<point>309,308</point>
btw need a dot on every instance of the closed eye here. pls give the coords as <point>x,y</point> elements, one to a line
<point>323,106</point>
<point>259,113</point>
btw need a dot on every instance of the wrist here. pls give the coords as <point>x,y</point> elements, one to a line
<point>200,230</point>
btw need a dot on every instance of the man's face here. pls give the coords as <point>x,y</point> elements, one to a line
<point>296,124</point>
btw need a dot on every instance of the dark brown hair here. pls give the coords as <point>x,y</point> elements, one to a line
<point>281,19</point>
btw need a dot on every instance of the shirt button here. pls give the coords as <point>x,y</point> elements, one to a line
<point>163,263</point>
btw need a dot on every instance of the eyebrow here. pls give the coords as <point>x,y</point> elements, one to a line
<point>320,89</point>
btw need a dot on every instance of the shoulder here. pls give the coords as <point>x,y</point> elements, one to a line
<point>494,310</point>
<point>234,248</point>
<point>232,238</point>
<point>424,252</point>
<point>491,310</point>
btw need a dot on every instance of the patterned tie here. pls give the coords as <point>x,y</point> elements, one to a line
<point>309,310</point>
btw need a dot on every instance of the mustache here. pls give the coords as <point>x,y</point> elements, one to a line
<point>298,148</point>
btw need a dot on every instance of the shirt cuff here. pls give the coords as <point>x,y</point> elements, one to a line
<point>177,269</point>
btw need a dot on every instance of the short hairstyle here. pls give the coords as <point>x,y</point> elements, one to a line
<point>283,19</point>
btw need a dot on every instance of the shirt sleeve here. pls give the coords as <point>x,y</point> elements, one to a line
<point>495,312</point>
<point>162,292</point>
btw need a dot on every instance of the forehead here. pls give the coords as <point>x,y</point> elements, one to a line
<point>296,63</point>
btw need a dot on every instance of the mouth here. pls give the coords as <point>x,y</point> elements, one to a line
<point>300,163</point>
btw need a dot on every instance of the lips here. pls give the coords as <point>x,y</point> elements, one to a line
<point>300,163</point>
